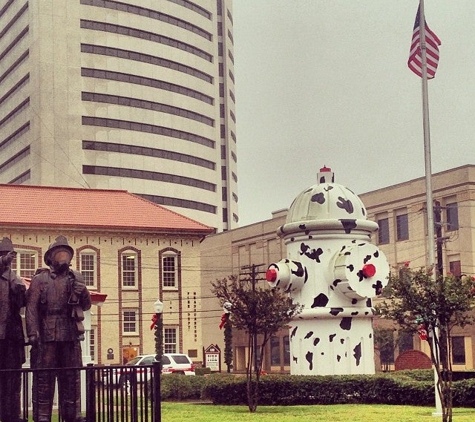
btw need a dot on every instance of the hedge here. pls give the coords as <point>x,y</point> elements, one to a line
<point>298,390</point>
<point>405,388</point>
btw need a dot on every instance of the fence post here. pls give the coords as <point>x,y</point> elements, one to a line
<point>133,392</point>
<point>90,393</point>
<point>157,395</point>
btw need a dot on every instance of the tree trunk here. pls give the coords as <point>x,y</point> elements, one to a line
<point>440,355</point>
<point>251,386</point>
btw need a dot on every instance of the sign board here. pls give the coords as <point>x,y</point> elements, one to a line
<point>213,358</point>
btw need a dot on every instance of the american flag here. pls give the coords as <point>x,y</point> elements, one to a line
<point>432,50</point>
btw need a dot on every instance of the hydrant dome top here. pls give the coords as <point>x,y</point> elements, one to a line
<point>327,205</point>
<point>326,201</point>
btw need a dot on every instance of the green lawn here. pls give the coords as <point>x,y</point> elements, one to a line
<point>179,412</point>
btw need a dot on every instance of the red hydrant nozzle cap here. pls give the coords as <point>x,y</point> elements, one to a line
<point>369,270</point>
<point>271,274</point>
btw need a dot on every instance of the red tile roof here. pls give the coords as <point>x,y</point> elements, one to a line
<point>27,206</point>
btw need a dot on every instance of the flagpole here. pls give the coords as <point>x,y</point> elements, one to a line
<point>428,176</point>
<point>427,154</point>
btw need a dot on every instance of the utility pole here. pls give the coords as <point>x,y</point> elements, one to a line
<point>439,238</point>
<point>253,274</point>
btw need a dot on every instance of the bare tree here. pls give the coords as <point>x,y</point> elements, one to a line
<point>259,311</point>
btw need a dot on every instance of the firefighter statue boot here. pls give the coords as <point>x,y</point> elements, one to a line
<point>334,272</point>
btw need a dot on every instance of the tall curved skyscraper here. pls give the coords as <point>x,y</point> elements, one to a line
<point>135,95</point>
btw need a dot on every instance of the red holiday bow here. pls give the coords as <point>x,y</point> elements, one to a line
<point>154,321</point>
<point>224,318</point>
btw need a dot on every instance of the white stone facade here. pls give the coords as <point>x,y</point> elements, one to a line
<point>135,95</point>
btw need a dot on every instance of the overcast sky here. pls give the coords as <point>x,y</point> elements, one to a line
<point>326,82</point>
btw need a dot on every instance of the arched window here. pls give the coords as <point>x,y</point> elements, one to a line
<point>129,269</point>
<point>88,267</point>
<point>170,268</point>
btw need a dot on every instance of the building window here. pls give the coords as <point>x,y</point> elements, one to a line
<point>145,35</point>
<point>141,80</point>
<point>148,105</point>
<point>455,268</point>
<point>405,341</point>
<point>384,341</point>
<point>169,340</point>
<point>286,350</point>
<point>169,271</point>
<point>277,345</point>
<point>92,344</point>
<point>145,58</point>
<point>178,202</point>
<point>130,322</point>
<point>452,216</point>
<point>24,263</point>
<point>129,269</point>
<point>170,268</point>
<point>145,128</point>
<point>153,14</point>
<point>383,232</point>
<point>274,351</point>
<point>87,262</point>
<point>458,350</point>
<point>148,175</point>
<point>402,227</point>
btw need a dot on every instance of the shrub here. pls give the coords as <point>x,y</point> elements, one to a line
<point>300,390</point>
<point>415,374</point>
<point>464,393</point>
<point>180,387</point>
<point>404,388</point>
<point>292,390</point>
<point>225,389</point>
<point>202,371</point>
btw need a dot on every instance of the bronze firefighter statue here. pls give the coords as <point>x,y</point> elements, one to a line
<point>12,340</point>
<point>56,300</point>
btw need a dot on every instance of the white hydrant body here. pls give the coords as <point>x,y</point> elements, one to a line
<point>333,271</point>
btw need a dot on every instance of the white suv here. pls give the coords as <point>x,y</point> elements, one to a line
<point>177,363</point>
<point>172,363</point>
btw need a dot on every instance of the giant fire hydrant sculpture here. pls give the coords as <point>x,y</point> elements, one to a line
<point>334,272</point>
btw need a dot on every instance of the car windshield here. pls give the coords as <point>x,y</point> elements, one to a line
<point>133,361</point>
<point>148,360</point>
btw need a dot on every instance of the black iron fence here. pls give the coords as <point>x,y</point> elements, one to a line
<point>108,393</point>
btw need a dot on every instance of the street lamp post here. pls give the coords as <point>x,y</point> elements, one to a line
<point>158,307</point>
<point>157,365</point>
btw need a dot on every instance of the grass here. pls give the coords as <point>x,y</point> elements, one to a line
<point>179,412</point>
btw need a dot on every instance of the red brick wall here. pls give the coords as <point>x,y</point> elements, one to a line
<point>412,359</point>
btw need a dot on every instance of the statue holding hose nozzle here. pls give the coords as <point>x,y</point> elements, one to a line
<point>12,340</point>
<point>56,300</point>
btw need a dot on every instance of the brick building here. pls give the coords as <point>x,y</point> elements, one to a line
<point>128,248</point>
<point>401,213</point>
